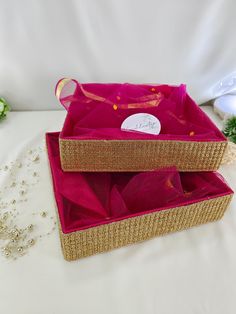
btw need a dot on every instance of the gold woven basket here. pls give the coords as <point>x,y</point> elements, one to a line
<point>113,235</point>
<point>140,155</point>
<point>202,153</point>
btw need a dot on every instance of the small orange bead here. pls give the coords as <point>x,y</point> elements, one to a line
<point>115,107</point>
<point>169,184</point>
<point>153,89</point>
<point>118,97</point>
<point>187,194</point>
<point>192,133</point>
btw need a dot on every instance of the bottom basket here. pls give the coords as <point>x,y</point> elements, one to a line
<point>81,242</point>
<point>114,235</point>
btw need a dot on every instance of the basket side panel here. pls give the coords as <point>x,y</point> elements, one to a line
<point>117,234</point>
<point>140,155</point>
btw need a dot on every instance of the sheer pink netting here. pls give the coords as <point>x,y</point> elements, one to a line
<point>86,199</point>
<point>96,111</point>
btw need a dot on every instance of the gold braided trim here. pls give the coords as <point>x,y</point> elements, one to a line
<point>117,234</point>
<point>140,155</point>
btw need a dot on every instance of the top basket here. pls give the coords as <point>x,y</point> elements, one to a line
<point>92,138</point>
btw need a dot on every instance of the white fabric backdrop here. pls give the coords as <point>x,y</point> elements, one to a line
<point>190,41</point>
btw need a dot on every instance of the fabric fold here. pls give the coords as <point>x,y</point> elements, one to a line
<point>97,111</point>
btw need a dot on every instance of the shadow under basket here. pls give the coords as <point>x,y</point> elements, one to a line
<point>95,211</point>
<point>92,139</point>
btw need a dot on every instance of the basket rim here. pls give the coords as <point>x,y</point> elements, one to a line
<point>150,212</point>
<point>139,140</point>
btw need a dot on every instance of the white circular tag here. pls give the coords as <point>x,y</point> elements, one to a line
<point>142,122</point>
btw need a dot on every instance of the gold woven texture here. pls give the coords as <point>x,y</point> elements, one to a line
<point>117,234</point>
<point>139,155</point>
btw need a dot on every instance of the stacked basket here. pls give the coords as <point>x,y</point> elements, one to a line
<point>103,201</point>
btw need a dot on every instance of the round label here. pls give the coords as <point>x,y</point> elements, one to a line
<point>142,122</point>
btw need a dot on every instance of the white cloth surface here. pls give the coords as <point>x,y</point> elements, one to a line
<point>184,41</point>
<point>188,272</point>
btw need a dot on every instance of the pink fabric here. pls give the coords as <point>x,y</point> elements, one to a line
<point>89,199</point>
<point>91,113</point>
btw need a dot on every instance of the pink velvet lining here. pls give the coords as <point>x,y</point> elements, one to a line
<point>180,117</point>
<point>90,199</point>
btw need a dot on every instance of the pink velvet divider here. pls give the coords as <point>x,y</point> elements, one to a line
<point>90,199</point>
<point>96,111</point>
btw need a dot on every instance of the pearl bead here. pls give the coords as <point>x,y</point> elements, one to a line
<point>31,242</point>
<point>30,227</point>
<point>43,214</point>
<point>6,251</point>
<point>5,216</point>
<point>36,158</point>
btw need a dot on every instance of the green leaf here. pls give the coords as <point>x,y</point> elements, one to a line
<point>5,107</point>
<point>233,138</point>
<point>230,129</point>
